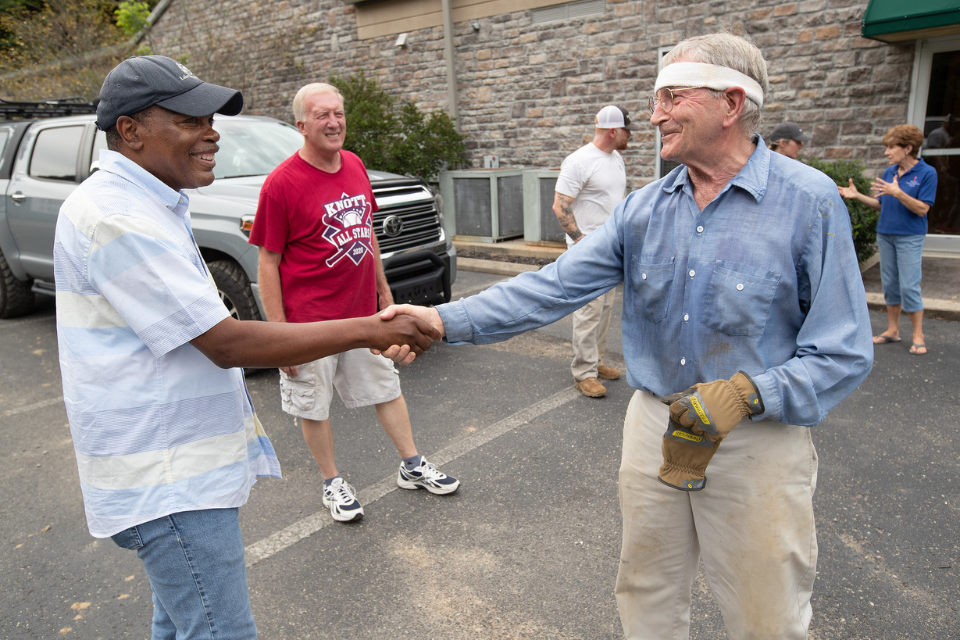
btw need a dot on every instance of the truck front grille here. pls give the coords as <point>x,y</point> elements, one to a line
<point>421,225</point>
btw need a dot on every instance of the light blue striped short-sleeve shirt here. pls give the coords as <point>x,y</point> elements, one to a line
<point>157,427</point>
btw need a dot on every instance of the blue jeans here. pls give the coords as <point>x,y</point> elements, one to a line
<point>198,576</point>
<point>900,258</point>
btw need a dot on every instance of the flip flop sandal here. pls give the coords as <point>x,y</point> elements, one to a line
<point>885,339</point>
<point>914,349</point>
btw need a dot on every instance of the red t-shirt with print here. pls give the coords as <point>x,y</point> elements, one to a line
<point>322,223</point>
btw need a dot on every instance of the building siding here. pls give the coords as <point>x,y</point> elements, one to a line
<point>528,92</point>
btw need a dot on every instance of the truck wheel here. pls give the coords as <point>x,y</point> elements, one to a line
<point>234,289</point>
<point>16,298</point>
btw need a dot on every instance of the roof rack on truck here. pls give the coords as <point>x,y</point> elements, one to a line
<point>10,110</point>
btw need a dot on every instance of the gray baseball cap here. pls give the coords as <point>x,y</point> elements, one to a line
<point>143,81</point>
<point>789,131</point>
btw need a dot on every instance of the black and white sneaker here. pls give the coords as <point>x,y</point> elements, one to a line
<point>342,501</point>
<point>426,476</point>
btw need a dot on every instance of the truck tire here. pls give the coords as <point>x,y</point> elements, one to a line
<point>16,298</point>
<point>234,289</point>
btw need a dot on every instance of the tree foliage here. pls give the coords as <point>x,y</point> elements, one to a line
<point>61,29</point>
<point>7,7</point>
<point>59,48</point>
<point>863,219</point>
<point>399,139</point>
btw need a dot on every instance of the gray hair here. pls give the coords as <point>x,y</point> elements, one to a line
<point>310,90</point>
<point>728,50</point>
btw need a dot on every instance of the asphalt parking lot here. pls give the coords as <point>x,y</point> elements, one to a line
<point>529,546</point>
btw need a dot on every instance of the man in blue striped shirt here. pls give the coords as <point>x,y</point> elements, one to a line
<point>167,441</point>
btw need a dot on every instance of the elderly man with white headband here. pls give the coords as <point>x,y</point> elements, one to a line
<point>745,322</point>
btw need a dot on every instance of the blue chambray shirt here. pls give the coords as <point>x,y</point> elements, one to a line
<point>157,427</point>
<point>765,280</point>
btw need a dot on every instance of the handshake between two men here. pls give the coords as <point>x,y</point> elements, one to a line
<point>700,417</point>
<point>406,353</point>
<point>404,332</point>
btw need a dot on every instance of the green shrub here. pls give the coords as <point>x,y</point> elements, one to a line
<point>400,140</point>
<point>370,118</point>
<point>863,219</point>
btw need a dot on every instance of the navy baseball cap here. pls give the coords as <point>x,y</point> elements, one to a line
<point>143,81</point>
<point>789,131</point>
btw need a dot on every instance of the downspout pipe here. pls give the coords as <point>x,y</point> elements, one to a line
<point>451,63</point>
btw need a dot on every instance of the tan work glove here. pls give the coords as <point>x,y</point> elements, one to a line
<point>685,458</point>
<point>700,418</point>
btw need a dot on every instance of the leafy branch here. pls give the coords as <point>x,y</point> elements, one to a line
<point>400,140</point>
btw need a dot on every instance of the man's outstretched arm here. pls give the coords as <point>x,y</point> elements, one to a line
<point>532,299</point>
<point>239,343</point>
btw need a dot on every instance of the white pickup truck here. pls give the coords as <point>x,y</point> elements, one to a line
<point>42,161</point>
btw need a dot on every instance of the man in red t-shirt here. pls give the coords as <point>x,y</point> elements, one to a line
<point>319,260</point>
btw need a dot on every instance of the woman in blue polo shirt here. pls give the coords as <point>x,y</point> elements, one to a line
<point>904,195</point>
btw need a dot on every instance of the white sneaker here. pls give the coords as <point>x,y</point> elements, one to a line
<point>426,476</point>
<point>342,501</point>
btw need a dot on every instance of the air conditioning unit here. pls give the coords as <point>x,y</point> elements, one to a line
<point>483,204</point>
<point>539,221</point>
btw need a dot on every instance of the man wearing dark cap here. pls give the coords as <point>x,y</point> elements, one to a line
<point>592,182</point>
<point>166,437</point>
<point>787,139</point>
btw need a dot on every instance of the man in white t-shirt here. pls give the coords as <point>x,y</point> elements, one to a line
<point>592,181</point>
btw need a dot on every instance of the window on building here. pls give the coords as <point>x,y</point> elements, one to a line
<point>568,10</point>
<point>941,149</point>
<point>389,17</point>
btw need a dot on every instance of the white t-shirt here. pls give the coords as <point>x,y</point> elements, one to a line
<point>596,180</point>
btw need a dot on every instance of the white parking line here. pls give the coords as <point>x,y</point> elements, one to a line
<point>31,407</point>
<point>289,536</point>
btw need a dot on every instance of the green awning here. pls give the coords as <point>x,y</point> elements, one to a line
<point>897,20</point>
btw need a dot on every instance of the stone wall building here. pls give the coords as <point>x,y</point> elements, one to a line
<point>531,74</point>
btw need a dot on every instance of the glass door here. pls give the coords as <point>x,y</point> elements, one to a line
<point>937,112</point>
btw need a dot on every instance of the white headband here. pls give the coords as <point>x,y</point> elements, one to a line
<point>711,76</point>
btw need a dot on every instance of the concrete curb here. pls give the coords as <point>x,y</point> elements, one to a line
<point>512,248</point>
<point>870,262</point>
<point>933,308</point>
<point>494,266</point>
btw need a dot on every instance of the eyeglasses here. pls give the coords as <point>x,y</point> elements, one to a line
<point>664,98</point>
